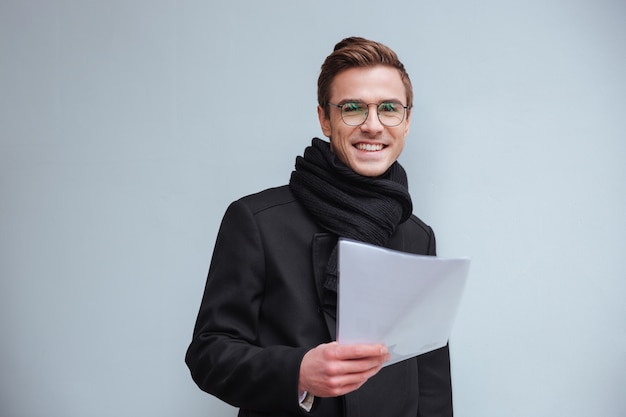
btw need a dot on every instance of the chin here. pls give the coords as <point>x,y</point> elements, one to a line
<point>370,171</point>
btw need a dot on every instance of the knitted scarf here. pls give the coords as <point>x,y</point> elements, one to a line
<point>367,209</point>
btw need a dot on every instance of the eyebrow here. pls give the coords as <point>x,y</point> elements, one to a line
<point>358,100</point>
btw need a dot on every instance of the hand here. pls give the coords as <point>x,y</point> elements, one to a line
<point>331,370</point>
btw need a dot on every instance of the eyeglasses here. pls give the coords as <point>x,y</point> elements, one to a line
<point>354,113</point>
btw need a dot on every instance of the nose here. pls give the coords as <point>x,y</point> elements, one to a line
<point>372,123</point>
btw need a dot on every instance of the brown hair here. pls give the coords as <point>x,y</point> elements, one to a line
<point>358,52</point>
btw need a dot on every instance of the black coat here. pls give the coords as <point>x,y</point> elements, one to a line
<point>261,312</point>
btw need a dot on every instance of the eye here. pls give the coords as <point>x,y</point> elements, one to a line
<point>352,107</point>
<point>389,107</point>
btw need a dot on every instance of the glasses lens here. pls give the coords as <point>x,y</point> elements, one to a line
<point>391,114</point>
<point>354,114</point>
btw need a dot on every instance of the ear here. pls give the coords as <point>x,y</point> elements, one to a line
<point>324,121</point>
<point>407,123</point>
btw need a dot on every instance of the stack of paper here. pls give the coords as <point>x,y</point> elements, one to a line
<point>406,301</point>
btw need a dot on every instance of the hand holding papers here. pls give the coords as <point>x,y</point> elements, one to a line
<point>406,301</point>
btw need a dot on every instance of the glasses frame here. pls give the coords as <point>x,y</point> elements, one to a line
<point>367,113</point>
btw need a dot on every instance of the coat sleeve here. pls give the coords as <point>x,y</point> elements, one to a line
<point>435,386</point>
<point>225,357</point>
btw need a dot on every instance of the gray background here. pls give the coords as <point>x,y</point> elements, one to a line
<point>128,126</point>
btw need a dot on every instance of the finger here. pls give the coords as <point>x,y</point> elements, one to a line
<point>359,351</point>
<point>365,366</point>
<point>348,382</point>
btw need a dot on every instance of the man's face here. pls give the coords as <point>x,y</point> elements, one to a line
<point>371,148</point>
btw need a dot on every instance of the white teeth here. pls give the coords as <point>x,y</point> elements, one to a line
<point>369,147</point>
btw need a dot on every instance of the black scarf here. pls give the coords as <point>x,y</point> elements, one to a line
<point>367,209</point>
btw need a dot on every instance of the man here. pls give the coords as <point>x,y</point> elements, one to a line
<point>263,340</point>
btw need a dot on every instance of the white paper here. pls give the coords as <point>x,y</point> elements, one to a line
<point>406,301</point>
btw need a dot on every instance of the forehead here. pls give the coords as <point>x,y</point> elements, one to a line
<point>369,84</point>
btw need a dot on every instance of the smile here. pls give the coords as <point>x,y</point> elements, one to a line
<point>369,147</point>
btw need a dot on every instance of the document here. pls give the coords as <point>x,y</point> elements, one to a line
<point>406,301</point>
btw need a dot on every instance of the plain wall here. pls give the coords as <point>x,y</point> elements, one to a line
<point>126,128</point>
